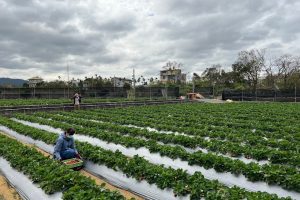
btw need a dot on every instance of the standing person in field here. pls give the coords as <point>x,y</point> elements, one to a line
<point>65,146</point>
<point>76,101</point>
<point>79,98</point>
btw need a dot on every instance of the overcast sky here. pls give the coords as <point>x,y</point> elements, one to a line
<point>111,37</point>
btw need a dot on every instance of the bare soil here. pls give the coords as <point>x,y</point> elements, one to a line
<point>6,191</point>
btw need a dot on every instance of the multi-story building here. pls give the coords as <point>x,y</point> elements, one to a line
<point>172,75</point>
<point>34,80</point>
<point>120,82</point>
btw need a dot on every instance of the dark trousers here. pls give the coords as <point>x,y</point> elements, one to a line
<point>67,154</point>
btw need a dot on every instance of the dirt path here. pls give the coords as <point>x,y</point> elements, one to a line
<point>6,191</point>
<point>99,181</point>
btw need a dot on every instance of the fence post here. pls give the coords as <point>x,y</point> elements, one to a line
<point>166,93</point>
<point>256,94</point>
<point>242,94</point>
<point>33,92</point>
<point>295,93</point>
<point>150,93</point>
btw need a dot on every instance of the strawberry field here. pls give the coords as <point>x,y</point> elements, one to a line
<point>26,102</point>
<point>178,151</point>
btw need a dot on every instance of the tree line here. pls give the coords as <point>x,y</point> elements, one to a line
<point>252,70</point>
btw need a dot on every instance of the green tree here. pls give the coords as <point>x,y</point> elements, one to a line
<point>287,66</point>
<point>248,66</point>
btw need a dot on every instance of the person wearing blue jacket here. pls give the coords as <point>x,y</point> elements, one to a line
<point>65,146</point>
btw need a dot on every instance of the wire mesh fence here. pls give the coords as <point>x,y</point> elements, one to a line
<point>91,92</point>
<point>287,95</point>
<point>206,91</point>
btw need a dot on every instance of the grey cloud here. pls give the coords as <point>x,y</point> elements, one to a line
<point>20,3</point>
<point>196,7</point>
<point>199,28</point>
<point>274,46</point>
<point>118,25</point>
<point>113,27</point>
<point>44,34</point>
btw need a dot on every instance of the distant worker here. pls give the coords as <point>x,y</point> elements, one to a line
<point>79,98</point>
<point>65,146</point>
<point>76,101</point>
<point>182,97</point>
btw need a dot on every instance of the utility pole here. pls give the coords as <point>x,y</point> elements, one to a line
<point>150,93</point>
<point>193,81</point>
<point>114,85</point>
<point>133,77</point>
<point>114,81</point>
<point>68,79</point>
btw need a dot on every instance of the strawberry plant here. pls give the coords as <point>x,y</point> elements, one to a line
<point>50,175</point>
<point>141,169</point>
<point>252,171</point>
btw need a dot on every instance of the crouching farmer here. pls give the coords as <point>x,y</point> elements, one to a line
<point>65,146</point>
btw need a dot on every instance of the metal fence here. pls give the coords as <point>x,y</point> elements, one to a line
<point>91,92</point>
<point>206,91</point>
<point>262,95</point>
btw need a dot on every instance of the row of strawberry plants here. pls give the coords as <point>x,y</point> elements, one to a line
<point>179,180</point>
<point>172,113</point>
<point>30,102</point>
<point>256,151</point>
<point>272,112</point>
<point>287,177</point>
<point>276,140</point>
<point>50,175</point>
<point>204,115</point>
<point>221,133</point>
<point>234,149</point>
<point>266,112</point>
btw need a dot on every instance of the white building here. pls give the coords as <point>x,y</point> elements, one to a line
<point>120,82</point>
<point>34,80</point>
<point>74,82</point>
